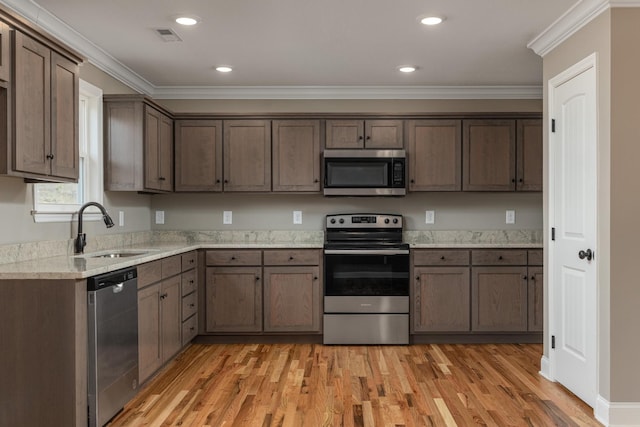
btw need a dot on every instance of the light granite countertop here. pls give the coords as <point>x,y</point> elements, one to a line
<point>55,261</point>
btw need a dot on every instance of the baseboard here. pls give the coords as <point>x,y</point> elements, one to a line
<point>617,414</point>
<point>545,368</point>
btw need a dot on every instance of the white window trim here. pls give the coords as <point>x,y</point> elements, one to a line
<point>95,190</point>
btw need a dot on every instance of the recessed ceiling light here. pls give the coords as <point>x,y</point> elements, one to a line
<point>224,69</point>
<point>407,68</point>
<point>187,20</point>
<point>431,20</point>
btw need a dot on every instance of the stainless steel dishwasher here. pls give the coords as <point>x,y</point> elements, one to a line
<point>113,343</point>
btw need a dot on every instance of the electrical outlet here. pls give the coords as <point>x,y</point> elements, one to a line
<point>297,217</point>
<point>159,217</point>
<point>511,217</point>
<point>121,218</point>
<point>227,217</point>
<point>429,217</point>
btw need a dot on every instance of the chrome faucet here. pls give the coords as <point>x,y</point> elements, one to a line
<point>81,239</point>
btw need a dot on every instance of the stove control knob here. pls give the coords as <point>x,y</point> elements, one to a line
<point>333,221</point>
<point>341,221</point>
<point>386,220</point>
<point>395,220</point>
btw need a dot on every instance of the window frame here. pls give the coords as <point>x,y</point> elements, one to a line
<point>91,174</point>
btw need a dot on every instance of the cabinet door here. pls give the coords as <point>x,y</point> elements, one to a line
<point>441,298</point>
<point>536,298</point>
<point>435,155</point>
<point>124,146</point>
<point>32,98</point>
<point>64,117</point>
<point>344,134</point>
<point>5,52</point>
<point>489,155</point>
<point>158,150</point>
<point>165,152</point>
<point>171,300</point>
<point>529,151</point>
<point>499,299</point>
<point>198,155</point>
<point>292,299</point>
<point>233,299</point>
<point>296,155</point>
<point>384,134</point>
<point>247,155</point>
<point>149,329</point>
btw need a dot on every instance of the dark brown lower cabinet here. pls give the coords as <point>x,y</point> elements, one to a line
<point>536,299</point>
<point>441,299</point>
<point>499,299</point>
<point>292,299</point>
<point>234,299</point>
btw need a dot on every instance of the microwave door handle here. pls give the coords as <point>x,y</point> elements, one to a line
<point>366,252</point>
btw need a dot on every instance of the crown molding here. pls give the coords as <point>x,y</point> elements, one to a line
<point>97,56</point>
<point>580,14</point>
<point>348,92</point>
<point>110,65</point>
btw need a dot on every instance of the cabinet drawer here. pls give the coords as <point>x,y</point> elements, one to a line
<point>189,329</point>
<point>171,266</point>
<point>189,260</point>
<point>440,257</point>
<point>292,257</point>
<point>189,282</point>
<point>189,305</point>
<point>499,257</point>
<point>535,257</point>
<point>231,258</point>
<point>148,273</point>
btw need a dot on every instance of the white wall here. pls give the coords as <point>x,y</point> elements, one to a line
<point>466,211</point>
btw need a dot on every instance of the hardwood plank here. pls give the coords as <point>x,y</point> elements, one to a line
<point>314,385</point>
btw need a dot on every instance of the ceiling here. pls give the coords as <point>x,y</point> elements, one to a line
<point>319,43</point>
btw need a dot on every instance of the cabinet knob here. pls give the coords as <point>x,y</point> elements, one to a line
<point>257,278</point>
<point>316,180</point>
<point>290,258</point>
<point>368,137</point>
<point>360,138</point>
<point>521,180</point>
<point>315,278</point>
<point>217,181</point>
<point>191,261</point>
<point>192,305</point>
<point>226,181</point>
<point>161,178</point>
<point>500,257</point>
<point>50,156</point>
<point>192,328</point>
<point>442,257</point>
<point>533,278</point>
<point>513,180</point>
<point>524,277</point>
<point>233,258</point>
<point>192,281</point>
<point>417,277</point>
<point>413,181</point>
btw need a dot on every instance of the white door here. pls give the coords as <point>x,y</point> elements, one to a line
<point>573,181</point>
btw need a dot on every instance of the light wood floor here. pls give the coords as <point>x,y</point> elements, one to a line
<point>314,385</point>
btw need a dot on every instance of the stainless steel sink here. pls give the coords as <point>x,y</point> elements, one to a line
<point>117,255</point>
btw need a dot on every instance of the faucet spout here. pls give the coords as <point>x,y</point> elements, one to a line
<point>81,239</point>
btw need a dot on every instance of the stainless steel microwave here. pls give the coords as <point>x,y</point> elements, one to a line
<point>364,173</point>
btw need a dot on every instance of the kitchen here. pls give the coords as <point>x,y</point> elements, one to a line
<point>477,211</point>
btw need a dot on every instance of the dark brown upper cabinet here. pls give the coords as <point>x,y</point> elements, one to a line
<point>374,134</point>
<point>434,154</point>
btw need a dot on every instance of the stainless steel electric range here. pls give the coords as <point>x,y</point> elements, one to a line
<point>366,288</point>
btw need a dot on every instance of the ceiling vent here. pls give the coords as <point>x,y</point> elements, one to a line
<point>168,35</point>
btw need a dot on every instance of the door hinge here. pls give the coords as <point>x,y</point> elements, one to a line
<point>553,233</point>
<point>553,125</point>
<point>553,341</point>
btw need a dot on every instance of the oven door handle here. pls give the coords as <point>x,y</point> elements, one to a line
<point>366,252</point>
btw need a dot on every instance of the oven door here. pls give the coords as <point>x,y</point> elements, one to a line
<point>366,281</point>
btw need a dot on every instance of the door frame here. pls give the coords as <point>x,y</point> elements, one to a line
<point>548,367</point>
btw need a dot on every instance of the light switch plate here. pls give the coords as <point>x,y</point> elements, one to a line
<point>159,217</point>
<point>429,217</point>
<point>121,218</point>
<point>511,217</point>
<point>297,217</point>
<point>227,217</point>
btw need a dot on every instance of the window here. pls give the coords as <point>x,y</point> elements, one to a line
<point>57,202</point>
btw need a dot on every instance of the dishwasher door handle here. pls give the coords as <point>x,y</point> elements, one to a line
<point>117,288</point>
